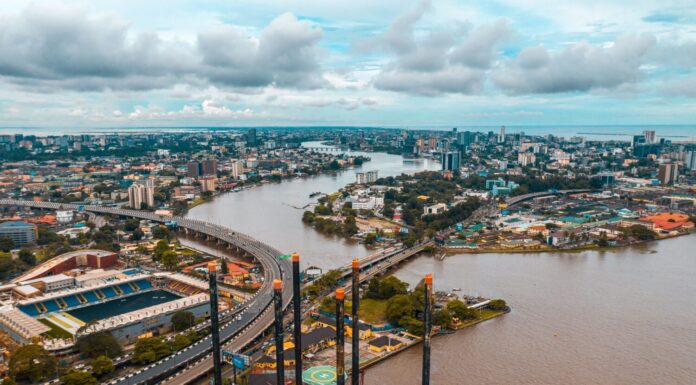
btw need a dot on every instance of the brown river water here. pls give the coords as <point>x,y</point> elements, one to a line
<point>626,316</point>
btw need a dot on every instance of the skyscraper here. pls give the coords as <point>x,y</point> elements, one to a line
<point>451,161</point>
<point>251,137</point>
<point>501,136</point>
<point>139,194</point>
<point>649,136</point>
<point>668,173</point>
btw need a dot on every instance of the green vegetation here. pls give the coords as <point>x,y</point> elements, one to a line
<point>460,310</point>
<point>102,365</point>
<point>180,341</point>
<point>373,311</point>
<point>497,305</point>
<point>32,363</point>
<point>398,307</point>
<point>78,377</point>
<point>6,244</point>
<point>98,344</point>
<point>56,331</point>
<point>639,232</point>
<point>148,350</point>
<point>183,320</point>
<point>9,267</point>
<point>169,260</point>
<point>385,288</point>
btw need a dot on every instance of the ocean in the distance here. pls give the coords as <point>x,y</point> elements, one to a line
<point>676,133</point>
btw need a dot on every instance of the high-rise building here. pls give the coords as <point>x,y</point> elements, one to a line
<point>501,136</point>
<point>209,167</point>
<point>251,137</point>
<point>236,168</point>
<point>637,140</point>
<point>668,173</point>
<point>464,139</point>
<point>204,168</point>
<point>142,194</point>
<point>208,183</point>
<point>649,136</point>
<point>451,161</point>
<point>526,158</point>
<point>690,160</point>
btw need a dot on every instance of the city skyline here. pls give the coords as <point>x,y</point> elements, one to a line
<point>119,64</point>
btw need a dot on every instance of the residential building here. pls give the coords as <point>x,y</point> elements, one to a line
<point>668,173</point>
<point>21,233</point>
<point>451,161</point>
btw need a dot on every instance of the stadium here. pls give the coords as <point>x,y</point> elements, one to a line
<point>74,295</point>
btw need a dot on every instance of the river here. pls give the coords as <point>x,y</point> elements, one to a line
<point>625,316</point>
<point>270,211</point>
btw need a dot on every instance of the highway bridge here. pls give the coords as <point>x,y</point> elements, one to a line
<point>239,327</point>
<point>521,198</point>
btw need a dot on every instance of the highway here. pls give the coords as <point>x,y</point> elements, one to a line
<point>250,321</point>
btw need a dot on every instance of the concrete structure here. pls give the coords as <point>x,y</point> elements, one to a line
<point>278,307</point>
<point>208,183</point>
<point>297,316</point>
<point>366,177</point>
<point>21,233</point>
<point>215,322</point>
<point>64,216</point>
<point>340,335</point>
<point>95,259</point>
<point>355,341</point>
<point>451,161</point>
<point>427,323</point>
<point>141,194</point>
<point>19,326</point>
<point>668,173</point>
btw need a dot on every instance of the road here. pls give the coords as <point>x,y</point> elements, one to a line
<point>251,320</point>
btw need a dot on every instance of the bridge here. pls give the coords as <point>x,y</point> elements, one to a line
<point>521,198</point>
<point>325,149</point>
<point>239,327</point>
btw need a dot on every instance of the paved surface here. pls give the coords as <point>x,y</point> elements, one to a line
<point>248,321</point>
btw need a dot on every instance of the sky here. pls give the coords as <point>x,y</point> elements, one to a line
<point>394,63</point>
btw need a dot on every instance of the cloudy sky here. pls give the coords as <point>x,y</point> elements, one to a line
<point>358,62</point>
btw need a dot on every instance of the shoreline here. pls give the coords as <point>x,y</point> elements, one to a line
<point>393,353</point>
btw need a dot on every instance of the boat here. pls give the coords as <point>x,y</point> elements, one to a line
<point>457,289</point>
<point>312,195</point>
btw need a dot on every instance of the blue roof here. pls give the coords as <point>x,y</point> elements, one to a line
<point>16,224</point>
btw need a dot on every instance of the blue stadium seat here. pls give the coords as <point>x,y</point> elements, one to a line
<point>109,292</point>
<point>91,297</point>
<point>51,306</point>
<point>126,288</point>
<point>71,301</point>
<point>144,284</point>
<point>30,310</point>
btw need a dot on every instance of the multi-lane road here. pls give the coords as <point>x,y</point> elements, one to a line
<point>245,324</point>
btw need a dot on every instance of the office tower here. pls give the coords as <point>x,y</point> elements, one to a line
<point>451,161</point>
<point>251,137</point>
<point>209,167</point>
<point>668,173</point>
<point>637,140</point>
<point>690,161</point>
<point>501,136</point>
<point>236,168</point>
<point>141,194</point>
<point>649,136</point>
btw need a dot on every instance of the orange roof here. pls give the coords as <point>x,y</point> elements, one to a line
<point>669,221</point>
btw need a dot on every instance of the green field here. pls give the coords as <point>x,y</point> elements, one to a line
<point>56,331</point>
<point>373,311</point>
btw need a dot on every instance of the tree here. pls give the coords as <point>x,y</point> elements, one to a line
<point>169,260</point>
<point>180,341</point>
<point>102,366</point>
<point>391,286</point>
<point>183,320</point>
<point>26,256</point>
<point>460,310</point>
<point>97,344</point>
<point>399,306</point>
<point>8,381</point>
<point>442,317</point>
<point>131,224</point>
<point>161,247</point>
<point>78,377</point>
<point>349,226</point>
<point>497,304</point>
<point>149,350</point>
<point>370,239</point>
<point>33,363</point>
<point>160,232</point>
<point>412,325</point>
<point>6,244</point>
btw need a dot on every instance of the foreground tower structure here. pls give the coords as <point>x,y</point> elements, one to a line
<point>297,313</point>
<point>214,321</point>
<point>427,321</point>
<point>278,302</point>
<point>355,361</point>
<point>340,333</point>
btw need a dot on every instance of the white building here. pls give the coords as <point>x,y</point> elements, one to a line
<point>64,216</point>
<point>142,193</point>
<point>236,168</point>
<point>437,208</point>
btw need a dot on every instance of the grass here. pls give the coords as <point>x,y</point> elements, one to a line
<point>56,331</point>
<point>484,315</point>
<point>373,311</point>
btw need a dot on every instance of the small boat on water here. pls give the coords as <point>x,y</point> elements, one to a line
<point>457,289</point>
<point>312,195</point>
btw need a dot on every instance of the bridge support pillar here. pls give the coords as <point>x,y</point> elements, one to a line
<point>278,304</point>
<point>214,322</point>
<point>297,314</point>
<point>355,357</point>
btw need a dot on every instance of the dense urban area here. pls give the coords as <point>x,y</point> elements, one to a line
<point>102,281</point>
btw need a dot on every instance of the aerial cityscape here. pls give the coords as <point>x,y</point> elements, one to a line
<point>277,193</point>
